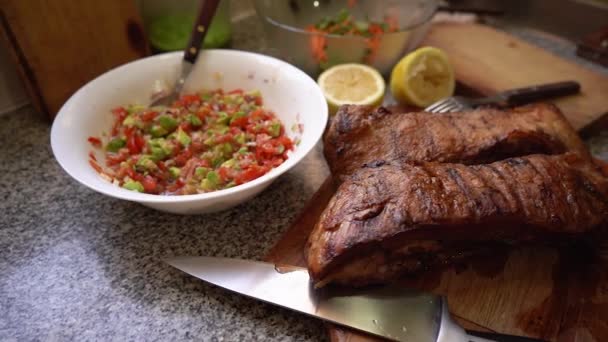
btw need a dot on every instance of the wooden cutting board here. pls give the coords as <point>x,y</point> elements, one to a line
<point>556,295</point>
<point>489,61</point>
<point>60,45</point>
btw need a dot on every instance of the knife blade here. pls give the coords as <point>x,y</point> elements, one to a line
<point>391,312</point>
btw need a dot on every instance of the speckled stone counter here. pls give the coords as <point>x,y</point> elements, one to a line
<point>78,265</point>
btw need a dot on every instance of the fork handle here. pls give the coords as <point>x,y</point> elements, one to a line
<point>540,92</point>
<point>199,31</point>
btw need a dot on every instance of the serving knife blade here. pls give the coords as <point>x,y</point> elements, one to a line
<point>391,312</point>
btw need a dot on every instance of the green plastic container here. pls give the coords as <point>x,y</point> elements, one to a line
<point>169,24</point>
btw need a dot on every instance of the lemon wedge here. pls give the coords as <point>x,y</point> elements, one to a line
<point>422,77</point>
<point>351,84</point>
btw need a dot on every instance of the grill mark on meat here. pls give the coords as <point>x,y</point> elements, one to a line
<point>454,175</point>
<point>540,203</point>
<point>520,192</point>
<point>424,196</point>
<point>455,124</point>
<point>358,135</point>
<point>556,215</point>
<point>441,210</point>
<point>486,191</point>
<point>375,163</point>
<point>493,183</point>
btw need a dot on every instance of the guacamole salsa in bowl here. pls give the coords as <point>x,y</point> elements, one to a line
<point>244,120</point>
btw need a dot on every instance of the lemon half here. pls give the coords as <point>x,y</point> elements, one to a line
<point>351,84</point>
<point>422,77</point>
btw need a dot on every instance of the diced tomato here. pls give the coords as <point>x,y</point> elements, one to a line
<point>258,101</point>
<point>224,173</point>
<point>149,184</point>
<point>140,141</point>
<point>285,141</point>
<point>186,127</point>
<point>202,113</point>
<point>197,146</point>
<point>92,156</point>
<point>120,113</point>
<point>175,186</point>
<point>240,122</point>
<point>259,114</point>
<point>224,138</point>
<point>190,99</point>
<point>96,142</point>
<point>133,143</point>
<point>253,172</point>
<point>204,163</point>
<point>235,91</point>
<point>129,131</point>
<point>182,157</point>
<point>161,165</point>
<point>149,115</point>
<point>115,159</point>
<point>274,162</point>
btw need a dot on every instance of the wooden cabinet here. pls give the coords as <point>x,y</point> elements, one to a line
<point>60,45</point>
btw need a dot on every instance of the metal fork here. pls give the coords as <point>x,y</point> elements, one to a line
<point>507,98</point>
<point>199,31</point>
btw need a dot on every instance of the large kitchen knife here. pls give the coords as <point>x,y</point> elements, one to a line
<point>391,312</point>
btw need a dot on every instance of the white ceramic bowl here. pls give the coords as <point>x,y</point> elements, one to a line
<point>293,96</point>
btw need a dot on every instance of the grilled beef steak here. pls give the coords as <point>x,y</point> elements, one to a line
<point>360,135</point>
<point>393,219</point>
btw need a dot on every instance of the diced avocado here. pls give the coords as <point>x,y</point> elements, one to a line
<point>116,144</point>
<point>240,138</point>
<point>342,15</point>
<point>230,163</point>
<point>201,171</point>
<point>160,148</point>
<point>209,141</point>
<point>222,129</point>
<point>280,149</point>
<point>213,177</point>
<point>275,129</point>
<point>231,99</point>
<point>323,23</point>
<point>362,26</point>
<point>129,121</point>
<point>230,184</point>
<point>133,186</point>
<point>237,115</point>
<point>195,120</point>
<point>223,118</point>
<point>146,163</point>
<point>206,96</point>
<point>207,185</point>
<point>243,150</point>
<point>254,93</point>
<point>167,122</point>
<point>217,161</point>
<point>157,131</point>
<point>183,138</point>
<point>175,171</point>
<point>227,148</point>
<point>134,109</point>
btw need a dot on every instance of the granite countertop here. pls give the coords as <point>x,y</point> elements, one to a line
<point>78,265</point>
